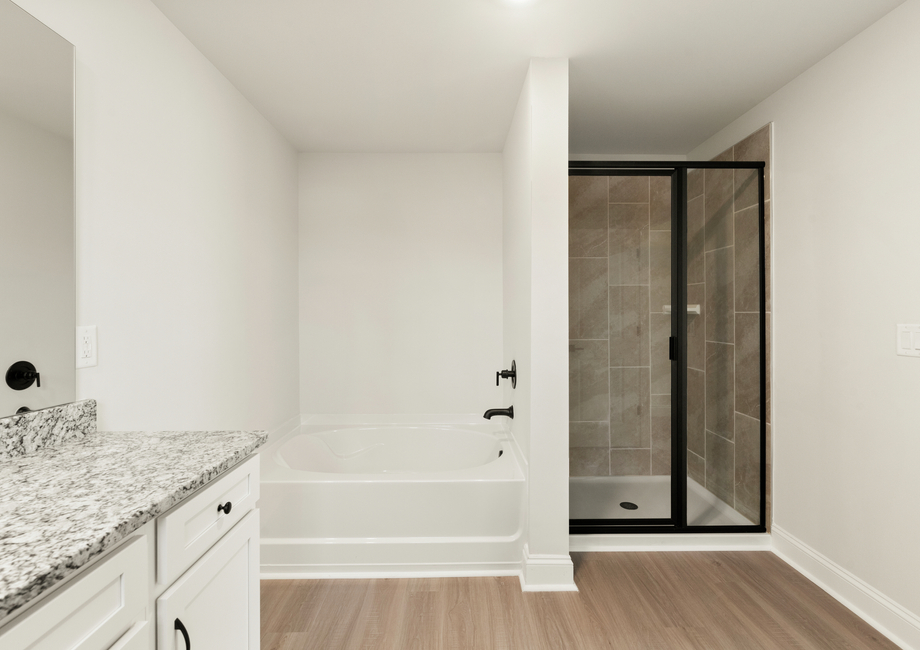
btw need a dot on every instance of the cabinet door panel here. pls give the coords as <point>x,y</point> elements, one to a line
<point>93,611</point>
<point>217,599</point>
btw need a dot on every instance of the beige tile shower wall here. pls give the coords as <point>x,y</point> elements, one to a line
<point>723,396</point>
<point>629,242</point>
<point>589,399</point>
<point>619,282</point>
<point>660,295</point>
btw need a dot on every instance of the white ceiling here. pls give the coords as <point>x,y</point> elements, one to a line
<point>646,76</point>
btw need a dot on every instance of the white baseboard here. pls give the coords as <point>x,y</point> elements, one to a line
<point>879,611</point>
<point>371,571</point>
<point>669,542</point>
<point>282,560</point>
<point>544,572</point>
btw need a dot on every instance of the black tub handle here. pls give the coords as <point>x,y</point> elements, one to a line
<point>181,628</point>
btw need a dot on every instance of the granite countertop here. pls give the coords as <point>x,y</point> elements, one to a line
<point>62,506</point>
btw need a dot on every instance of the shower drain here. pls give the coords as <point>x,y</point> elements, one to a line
<point>629,506</point>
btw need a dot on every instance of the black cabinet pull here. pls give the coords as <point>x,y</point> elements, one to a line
<point>181,628</point>
<point>225,508</point>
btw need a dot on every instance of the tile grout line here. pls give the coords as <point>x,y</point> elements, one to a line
<point>732,441</point>
<point>721,248</point>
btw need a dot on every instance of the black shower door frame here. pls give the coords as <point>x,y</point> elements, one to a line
<point>677,522</point>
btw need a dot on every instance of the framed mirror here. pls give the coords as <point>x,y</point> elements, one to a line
<point>37,277</point>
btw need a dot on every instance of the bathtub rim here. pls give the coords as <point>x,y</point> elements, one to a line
<point>507,467</point>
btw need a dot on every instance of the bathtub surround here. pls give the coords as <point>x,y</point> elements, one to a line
<point>116,481</point>
<point>400,283</point>
<point>50,427</point>
<point>845,225</point>
<point>535,278</point>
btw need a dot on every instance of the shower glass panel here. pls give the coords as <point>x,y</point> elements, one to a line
<point>724,335</point>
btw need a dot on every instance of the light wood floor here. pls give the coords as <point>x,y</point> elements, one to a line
<point>625,600</point>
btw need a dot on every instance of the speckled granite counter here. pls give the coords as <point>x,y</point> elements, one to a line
<point>62,506</point>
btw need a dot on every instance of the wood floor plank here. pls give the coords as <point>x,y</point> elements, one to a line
<point>629,601</point>
<point>520,628</point>
<point>817,620</point>
<point>384,602</point>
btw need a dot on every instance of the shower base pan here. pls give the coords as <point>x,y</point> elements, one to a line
<point>599,497</point>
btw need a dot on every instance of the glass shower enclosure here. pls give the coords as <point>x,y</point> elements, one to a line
<point>667,347</point>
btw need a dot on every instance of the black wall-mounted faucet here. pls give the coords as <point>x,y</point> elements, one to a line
<point>509,412</point>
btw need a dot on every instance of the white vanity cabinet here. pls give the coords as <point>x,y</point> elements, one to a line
<point>195,563</point>
<point>216,602</point>
<point>208,556</point>
<point>193,526</point>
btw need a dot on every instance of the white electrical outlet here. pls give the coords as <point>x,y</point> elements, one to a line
<point>909,340</point>
<point>86,346</point>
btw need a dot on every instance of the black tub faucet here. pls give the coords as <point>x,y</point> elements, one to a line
<point>508,412</point>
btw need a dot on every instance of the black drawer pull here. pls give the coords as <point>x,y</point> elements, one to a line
<point>181,628</point>
<point>225,508</point>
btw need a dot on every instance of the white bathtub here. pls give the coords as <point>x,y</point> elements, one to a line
<point>391,449</point>
<point>353,499</point>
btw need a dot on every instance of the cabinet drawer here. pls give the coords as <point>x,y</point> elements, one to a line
<point>192,527</point>
<point>92,612</point>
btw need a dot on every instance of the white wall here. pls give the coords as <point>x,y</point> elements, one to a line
<point>535,227</point>
<point>400,283</point>
<point>846,227</point>
<point>517,259</point>
<point>36,268</point>
<point>186,209</point>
